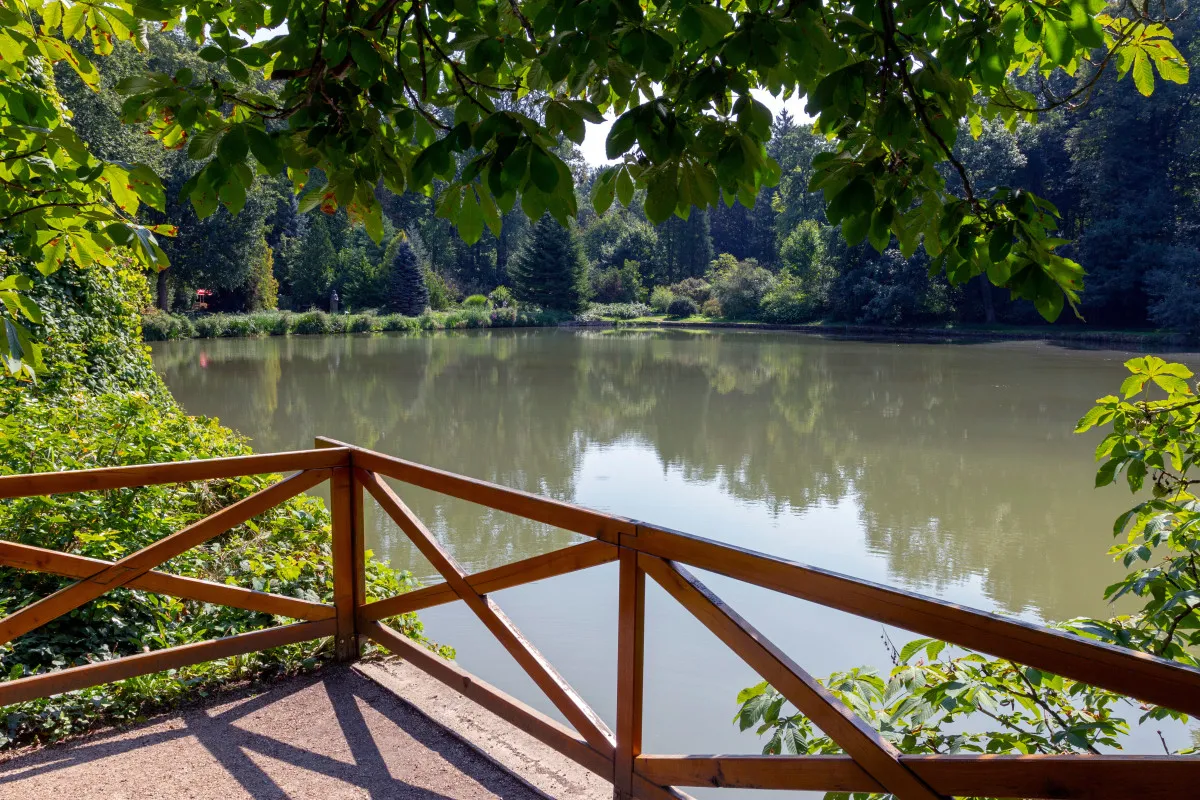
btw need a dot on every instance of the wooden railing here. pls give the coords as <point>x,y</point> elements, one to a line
<point>870,763</point>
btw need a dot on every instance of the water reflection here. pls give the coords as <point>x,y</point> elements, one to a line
<point>958,460</point>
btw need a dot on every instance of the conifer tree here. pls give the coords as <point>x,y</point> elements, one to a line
<point>407,292</point>
<point>550,270</point>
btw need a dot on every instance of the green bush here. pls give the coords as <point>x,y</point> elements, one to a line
<point>475,301</point>
<point>682,307</point>
<point>740,286</point>
<point>311,322</point>
<point>99,403</point>
<point>711,308</point>
<point>503,317</point>
<point>787,303</point>
<point>240,325</point>
<point>399,322</point>
<point>211,326</point>
<point>338,323</point>
<point>430,322</point>
<point>158,326</point>
<point>363,323</point>
<point>698,289</point>
<point>660,298</point>
<point>272,323</point>
<point>599,311</point>
<point>501,297</point>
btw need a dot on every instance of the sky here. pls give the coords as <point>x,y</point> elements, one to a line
<point>593,143</point>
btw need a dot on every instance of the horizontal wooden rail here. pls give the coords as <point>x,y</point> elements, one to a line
<point>132,566</point>
<point>66,680</point>
<point>546,730</point>
<point>1035,776</point>
<point>596,524</point>
<point>1127,672</point>
<point>37,559</point>
<point>86,480</point>
<point>559,562</point>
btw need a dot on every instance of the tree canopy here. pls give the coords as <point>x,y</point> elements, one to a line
<point>474,97</point>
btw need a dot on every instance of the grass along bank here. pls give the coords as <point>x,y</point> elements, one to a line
<point>158,326</point>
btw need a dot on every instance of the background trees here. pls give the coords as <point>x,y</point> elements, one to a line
<point>407,292</point>
<point>550,270</point>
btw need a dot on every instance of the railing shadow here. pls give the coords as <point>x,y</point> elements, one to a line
<point>262,741</point>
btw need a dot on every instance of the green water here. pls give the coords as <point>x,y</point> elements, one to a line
<point>948,469</point>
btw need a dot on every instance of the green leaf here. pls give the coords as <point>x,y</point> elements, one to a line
<point>1143,73</point>
<point>542,169</point>
<point>624,187</point>
<point>662,193</point>
<point>211,54</point>
<point>621,136</point>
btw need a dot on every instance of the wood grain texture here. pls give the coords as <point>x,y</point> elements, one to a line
<point>1056,777</point>
<point>540,509</point>
<point>66,680</point>
<point>631,645</point>
<point>345,563</point>
<point>862,742</point>
<point>564,697</point>
<point>86,480</point>
<point>548,731</point>
<point>549,565</point>
<point>136,564</point>
<point>1128,672</point>
<point>37,559</point>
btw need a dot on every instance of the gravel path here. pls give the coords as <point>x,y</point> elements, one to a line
<point>329,736</point>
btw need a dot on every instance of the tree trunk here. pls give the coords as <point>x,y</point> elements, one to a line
<point>985,290</point>
<point>164,294</point>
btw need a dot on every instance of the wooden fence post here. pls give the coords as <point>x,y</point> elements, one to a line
<point>630,647</point>
<point>345,494</point>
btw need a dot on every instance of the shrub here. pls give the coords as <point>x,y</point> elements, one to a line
<point>475,301</point>
<point>682,307</point>
<point>337,323</point>
<point>272,323</point>
<point>501,297</point>
<point>477,318</point>
<point>711,308</point>
<point>211,326</point>
<point>399,322</point>
<point>787,303</point>
<point>504,317</point>
<point>430,322</point>
<point>739,286</point>
<point>363,323</point>
<point>617,284</point>
<point>600,311</point>
<point>660,298</point>
<point>239,325</point>
<point>159,326</point>
<point>697,289</point>
<point>311,322</point>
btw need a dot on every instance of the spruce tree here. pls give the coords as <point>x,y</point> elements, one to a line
<point>550,270</point>
<point>407,292</point>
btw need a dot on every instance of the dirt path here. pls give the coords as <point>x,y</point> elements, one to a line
<point>330,736</point>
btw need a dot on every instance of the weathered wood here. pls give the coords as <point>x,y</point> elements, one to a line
<point>86,480</point>
<point>37,559</point>
<point>1128,672</point>
<point>862,742</point>
<point>564,697</point>
<point>538,725</point>
<point>540,509</point>
<point>345,566</point>
<point>1086,777</point>
<point>548,565</point>
<point>136,564</point>
<point>358,519</point>
<point>66,680</point>
<point>631,638</point>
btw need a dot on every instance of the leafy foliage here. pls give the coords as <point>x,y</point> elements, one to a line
<point>342,96</point>
<point>924,704</point>
<point>550,271</point>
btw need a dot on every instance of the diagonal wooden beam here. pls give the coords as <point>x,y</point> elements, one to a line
<point>862,742</point>
<point>137,564</point>
<point>518,573</point>
<point>567,700</point>
<point>71,565</point>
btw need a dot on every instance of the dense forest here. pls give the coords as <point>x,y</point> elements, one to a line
<point>1123,171</point>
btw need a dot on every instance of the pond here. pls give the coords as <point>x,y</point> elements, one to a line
<point>948,469</point>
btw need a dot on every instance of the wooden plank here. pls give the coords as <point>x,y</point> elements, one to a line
<point>1128,672</point>
<point>37,559</point>
<point>631,639</point>
<point>805,773</point>
<point>344,565</point>
<point>518,573</point>
<point>546,730</point>
<point>564,697</point>
<point>136,564</point>
<point>540,509</point>
<point>86,480</point>
<point>1082,776</point>
<point>862,742</point>
<point>358,519</point>
<point>66,680</point>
